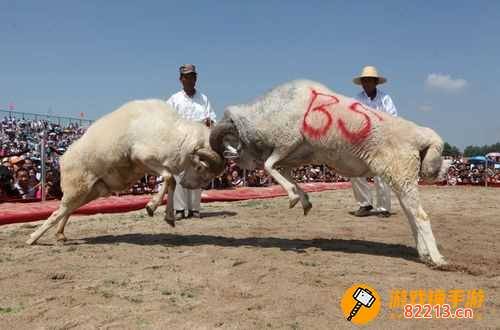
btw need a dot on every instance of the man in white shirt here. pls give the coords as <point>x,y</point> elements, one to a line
<point>378,100</point>
<point>190,104</point>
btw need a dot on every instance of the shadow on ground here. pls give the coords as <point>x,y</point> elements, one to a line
<point>285,244</point>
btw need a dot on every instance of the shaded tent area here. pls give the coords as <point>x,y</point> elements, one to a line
<point>495,158</point>
<point>491,160</point>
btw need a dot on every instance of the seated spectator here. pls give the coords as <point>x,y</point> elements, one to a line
<point>153,185</point>
<point>252,180</point>
<point>6,163</point>
<point>236,179</point>
<point>24,186</point>
<point>4,150</point>
<point>328,177</point>
<point>33,175</point>
<point>299,174</point>
<point>17,162</point>
<point>313,174</point>
<point>53,185</point>
<point>262,179</point>
<point>7,191</point>
<point>222,182</point>
<point>136,189</point>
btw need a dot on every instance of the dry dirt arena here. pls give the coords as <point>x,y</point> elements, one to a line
<point>248,265</point>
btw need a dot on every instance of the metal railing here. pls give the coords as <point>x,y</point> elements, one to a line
<point>60,120</point>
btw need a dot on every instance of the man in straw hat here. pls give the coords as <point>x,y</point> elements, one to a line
<point>190,104</point>
<point>375,99</point>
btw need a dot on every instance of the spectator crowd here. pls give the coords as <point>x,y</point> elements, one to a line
<point>463,172</point>
<point>21,168</point>
<point>20,154</point>
<point>234,177</point>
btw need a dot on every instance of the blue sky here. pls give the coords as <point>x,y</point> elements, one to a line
<point>441,58</point>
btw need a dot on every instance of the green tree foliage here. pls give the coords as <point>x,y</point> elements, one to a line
<point>471,151</point>
<point>450,150</point>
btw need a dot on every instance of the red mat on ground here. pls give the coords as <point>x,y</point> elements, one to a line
<point>25,212</point>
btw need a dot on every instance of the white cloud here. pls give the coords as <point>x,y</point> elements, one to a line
<point>424,108</point>
<point>444,82</point>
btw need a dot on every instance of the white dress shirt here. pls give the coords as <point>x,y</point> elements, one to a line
<point>381,102</point>
<point>196,108</point>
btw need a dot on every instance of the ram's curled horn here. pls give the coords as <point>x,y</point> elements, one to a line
<point>217,134</point>
<point>213,159</point>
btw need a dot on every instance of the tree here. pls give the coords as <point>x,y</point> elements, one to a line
<point>450,150</point>
<point>471,151</point>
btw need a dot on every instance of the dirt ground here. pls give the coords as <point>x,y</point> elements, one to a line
<point>249,265</point>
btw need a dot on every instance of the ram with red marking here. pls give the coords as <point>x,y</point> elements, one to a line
<point>303,122</point>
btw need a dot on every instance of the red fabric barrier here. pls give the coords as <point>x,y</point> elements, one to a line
<point>267,192</point>
<point>25,212</point>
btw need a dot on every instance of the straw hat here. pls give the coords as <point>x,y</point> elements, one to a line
<point>16,159</point>
<point>369,71</point>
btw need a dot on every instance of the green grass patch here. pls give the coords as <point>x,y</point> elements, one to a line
<point>10,310</point>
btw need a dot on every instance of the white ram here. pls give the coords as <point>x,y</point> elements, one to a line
<point>304,122</point>
<point>117,150</point>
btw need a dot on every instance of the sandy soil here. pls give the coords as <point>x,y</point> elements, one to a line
<point>249,265</point>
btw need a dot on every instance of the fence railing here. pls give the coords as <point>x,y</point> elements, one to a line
<point>60,120</point>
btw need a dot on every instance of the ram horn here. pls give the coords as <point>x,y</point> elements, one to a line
<point>214,160</point>
<point>217,134</point>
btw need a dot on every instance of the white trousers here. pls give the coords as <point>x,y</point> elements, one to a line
<point>363,194</point>
<point>186,199</point>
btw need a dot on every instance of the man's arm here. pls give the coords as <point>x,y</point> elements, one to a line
<point>389,106</point>
<point>210,113</point>
<point>170,102</point>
